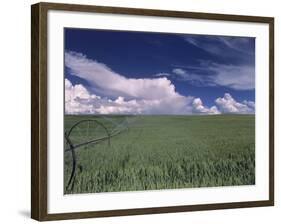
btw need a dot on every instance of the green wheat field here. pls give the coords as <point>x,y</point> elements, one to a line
<point>161,152</point>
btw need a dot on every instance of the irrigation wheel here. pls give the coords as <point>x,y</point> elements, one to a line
<point>82,134</point>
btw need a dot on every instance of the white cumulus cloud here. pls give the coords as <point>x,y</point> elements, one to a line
<point>199,108</point>
<point>113,84</point>
<point>228,104</point>
<point>78,99</point>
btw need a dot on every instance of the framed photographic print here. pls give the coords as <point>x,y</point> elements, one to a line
<point>138,111</point>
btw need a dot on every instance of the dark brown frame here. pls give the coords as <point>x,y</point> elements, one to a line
<point>39,110</point>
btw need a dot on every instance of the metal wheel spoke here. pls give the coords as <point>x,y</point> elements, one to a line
<point>90,131</point>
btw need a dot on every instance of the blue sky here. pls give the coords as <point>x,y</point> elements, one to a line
<point>198,73</point>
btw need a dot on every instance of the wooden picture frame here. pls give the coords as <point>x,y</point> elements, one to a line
<point>39,109</point>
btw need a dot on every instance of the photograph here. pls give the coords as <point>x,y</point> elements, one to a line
<point>139,111</point>
<point>157,111</point>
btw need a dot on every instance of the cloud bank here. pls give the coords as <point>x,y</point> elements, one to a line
<point>116,94</point>
<point>78,100</point>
